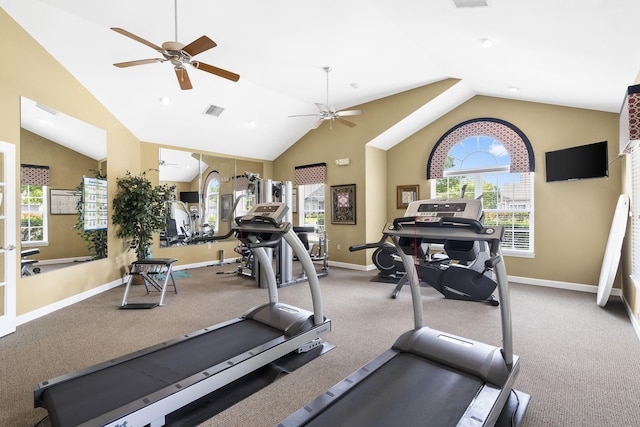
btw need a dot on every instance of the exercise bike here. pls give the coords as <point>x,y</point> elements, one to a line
<point>462,272</point>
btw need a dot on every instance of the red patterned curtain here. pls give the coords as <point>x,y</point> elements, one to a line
<point>512,138</point>
<point>311,174</point>
<point>34,175</point>
<point>240,183</point>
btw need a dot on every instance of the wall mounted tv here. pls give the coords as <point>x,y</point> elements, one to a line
<point>189,197</point>
<point>581,162</point>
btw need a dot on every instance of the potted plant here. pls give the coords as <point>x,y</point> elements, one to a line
<point>139,211</point>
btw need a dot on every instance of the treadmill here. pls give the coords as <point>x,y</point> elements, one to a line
<point>429,377</point>
<point>143,387</point>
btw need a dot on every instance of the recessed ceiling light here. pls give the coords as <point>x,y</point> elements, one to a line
<point>514,89</point>
<point>251,124</point>
<point>487,43</point>
<point>165,100</point>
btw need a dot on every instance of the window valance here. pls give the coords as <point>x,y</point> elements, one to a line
<point>512,138</point>
<point>311,174</point>
<point>240,182</point>
<point>34,175</point>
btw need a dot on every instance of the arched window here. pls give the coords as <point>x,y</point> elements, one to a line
<point>491,159</point>
<point>212,200</point>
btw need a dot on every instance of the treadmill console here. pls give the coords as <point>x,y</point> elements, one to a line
<point>272,211</point>
<point>433,210</point>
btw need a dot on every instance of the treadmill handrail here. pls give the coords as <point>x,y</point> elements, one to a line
<point>354,248</point>
<point>408,227</point>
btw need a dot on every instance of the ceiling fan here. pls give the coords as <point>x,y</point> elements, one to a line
<point>325,112</point>
<point>179,55</point>
<point>165,163</point>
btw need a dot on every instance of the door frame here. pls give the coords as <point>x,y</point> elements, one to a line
<point>8,246</point>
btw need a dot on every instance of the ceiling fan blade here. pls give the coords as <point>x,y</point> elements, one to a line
<point>183,78</point>
<point>138,62</point>
<point>138,39</point>
<point>345,122</point>
<point>217,71</point>
<point>350,113</point>
<point>317,124</point>
<point>199,46</point>
<point>305,115</point>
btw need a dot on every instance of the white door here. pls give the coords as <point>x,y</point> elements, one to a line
<point>8,255</point>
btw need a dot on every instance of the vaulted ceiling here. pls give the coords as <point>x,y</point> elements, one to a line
<point>578,53</point>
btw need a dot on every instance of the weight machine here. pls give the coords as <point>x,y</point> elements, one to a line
<point>267,191</point>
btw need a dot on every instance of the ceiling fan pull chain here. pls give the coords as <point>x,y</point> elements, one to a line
<point>175,14</point>
<point>327,69</point>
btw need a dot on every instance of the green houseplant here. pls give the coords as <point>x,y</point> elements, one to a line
<point>139,211</point>
<point>95,240</point>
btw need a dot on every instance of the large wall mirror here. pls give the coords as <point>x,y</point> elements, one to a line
<point>207,189</point>
<point>56,152</point>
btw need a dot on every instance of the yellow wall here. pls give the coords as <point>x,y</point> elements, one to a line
<point>366,169</point>
<point>572,219</point>
<point>39,77</point>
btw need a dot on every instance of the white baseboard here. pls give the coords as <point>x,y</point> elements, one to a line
<point>43,311</point>
<point>560,285</point>
<point>348,266</point>
<point>634,321</point>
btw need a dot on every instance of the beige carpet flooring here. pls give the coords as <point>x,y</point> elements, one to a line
<point>579,362</point>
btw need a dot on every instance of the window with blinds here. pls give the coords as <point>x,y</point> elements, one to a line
<point>635,213</point>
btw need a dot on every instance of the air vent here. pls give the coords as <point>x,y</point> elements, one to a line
<point>470,3</point>
<point>213,110</point>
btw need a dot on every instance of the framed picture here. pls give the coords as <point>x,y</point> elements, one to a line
<point>64,202</point>
<point>226,201</point>
<point>407,194</point>
<point>343,203</point>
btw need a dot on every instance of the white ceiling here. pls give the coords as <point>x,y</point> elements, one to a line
<point>579,53</point>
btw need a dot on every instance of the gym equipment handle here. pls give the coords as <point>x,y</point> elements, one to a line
<point>444,221</point>
<point>368,245</point>
<point>474,223</point>
<point>257,219</point>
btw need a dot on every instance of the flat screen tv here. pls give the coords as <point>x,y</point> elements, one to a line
<point>189,197</point>
<point>581,162</point>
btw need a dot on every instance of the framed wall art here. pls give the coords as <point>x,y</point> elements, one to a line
<point>343,204</point>
<point>407,194</point>
<point>226,201</point>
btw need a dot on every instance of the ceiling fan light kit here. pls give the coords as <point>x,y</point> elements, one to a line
<point>327,113</point>
<point>179,55</point>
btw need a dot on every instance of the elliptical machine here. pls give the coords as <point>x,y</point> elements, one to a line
<point>465,273</point>
<point>386,259</point>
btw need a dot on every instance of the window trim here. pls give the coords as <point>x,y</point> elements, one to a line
<point>521,157</point>
<point>45,218</point>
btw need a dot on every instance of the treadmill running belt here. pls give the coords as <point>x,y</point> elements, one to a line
<point>83,398</point>
<point>406,391</point>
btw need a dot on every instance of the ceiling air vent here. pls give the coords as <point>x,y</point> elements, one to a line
<point>213,110</point>
<point>470,3</point>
